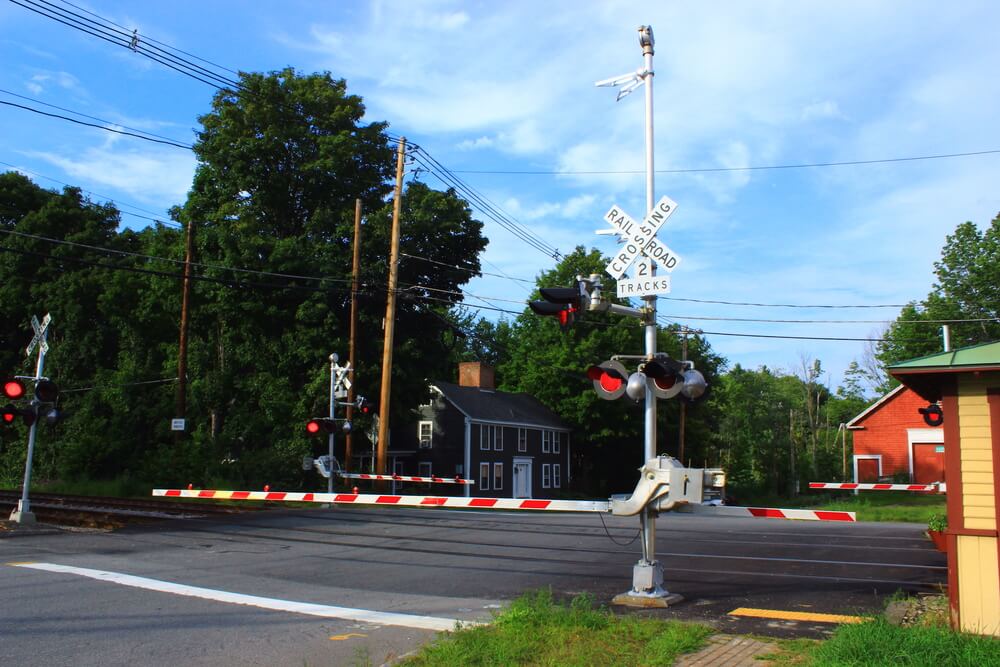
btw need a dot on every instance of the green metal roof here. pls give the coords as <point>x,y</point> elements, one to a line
<point>977,356</point>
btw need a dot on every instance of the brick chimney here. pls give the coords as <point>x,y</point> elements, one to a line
<point>475,374</point>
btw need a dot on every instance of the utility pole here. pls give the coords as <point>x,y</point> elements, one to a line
<point>390,314</point>
<point>683,405</point>
<point>181,407</point>
<point>352,350</point>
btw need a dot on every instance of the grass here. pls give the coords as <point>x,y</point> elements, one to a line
<point>870,506</point>
<point>536,630</point>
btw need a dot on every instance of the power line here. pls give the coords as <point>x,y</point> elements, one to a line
<point>168,142</point>
<point>777,321</point>
<point>462,268</point>
<point>83,115</point>
<point>784,305</point>
<point>702,170</point>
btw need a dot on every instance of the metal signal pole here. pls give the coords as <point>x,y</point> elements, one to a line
<point>390,314</point>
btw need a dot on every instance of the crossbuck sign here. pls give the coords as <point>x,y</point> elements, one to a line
<point>640,239</point>
<point>40,334</point>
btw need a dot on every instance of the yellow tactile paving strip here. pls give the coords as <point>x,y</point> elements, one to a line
<point>781,615</point>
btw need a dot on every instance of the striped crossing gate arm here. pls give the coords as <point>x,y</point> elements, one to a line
<point>767,512</point>
<point>852,486</point>
<point>405,478</point>
<point>452,502</point>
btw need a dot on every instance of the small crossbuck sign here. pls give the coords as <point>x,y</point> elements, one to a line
<point>341,382</point>
<point>40,330</point>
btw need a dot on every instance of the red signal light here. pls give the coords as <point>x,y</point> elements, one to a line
<point>313,427</point>
<point>8,414</point>
<point>609,379</point>
<point>13,389</point>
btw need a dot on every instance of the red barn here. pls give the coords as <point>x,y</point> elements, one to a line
<point>891,437</point>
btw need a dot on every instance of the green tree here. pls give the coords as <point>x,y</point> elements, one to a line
<point>967,288</point>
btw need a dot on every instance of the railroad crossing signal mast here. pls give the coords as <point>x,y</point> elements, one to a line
<point>45,395</point>
<point>647,575</point>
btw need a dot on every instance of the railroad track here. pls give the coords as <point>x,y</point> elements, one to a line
<point>104,512</point>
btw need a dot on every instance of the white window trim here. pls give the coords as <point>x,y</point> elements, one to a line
<point>430,439</point>
<point>425,465</point>
<point>496,486</point>
<point>858,457</point>
<point>498,438</point>
<point>556,437</point>
<point>484,486</point>
<point>484,439</point>
<point>546,442</point>
<point>546,475</point>
<point>522,440</point>
<point>556,476</point>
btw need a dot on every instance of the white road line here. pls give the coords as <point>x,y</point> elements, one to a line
<point>364,615</point>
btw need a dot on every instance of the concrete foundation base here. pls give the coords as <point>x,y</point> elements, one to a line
<point>22,517</point>
<point>646,601</point>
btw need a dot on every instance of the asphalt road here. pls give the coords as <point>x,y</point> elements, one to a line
<point>426,564</point>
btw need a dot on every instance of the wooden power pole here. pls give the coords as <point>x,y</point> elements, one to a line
<point>181,406</point>
<point>352,349</point>
<point>390,315</point>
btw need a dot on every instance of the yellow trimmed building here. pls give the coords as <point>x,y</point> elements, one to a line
<point>966,382</point>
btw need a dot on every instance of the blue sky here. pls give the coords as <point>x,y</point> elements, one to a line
<point>508,86</point>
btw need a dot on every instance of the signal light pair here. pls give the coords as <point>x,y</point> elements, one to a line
<point>46,391</point>
<point>320,425</point>
<point>666,377</point>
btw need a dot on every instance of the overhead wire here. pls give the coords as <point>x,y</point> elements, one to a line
<point>702,170</point>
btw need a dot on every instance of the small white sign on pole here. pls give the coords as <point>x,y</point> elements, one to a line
<point>643,286</point>
<point>178,424</point>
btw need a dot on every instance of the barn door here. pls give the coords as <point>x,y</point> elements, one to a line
<point>928,463</point>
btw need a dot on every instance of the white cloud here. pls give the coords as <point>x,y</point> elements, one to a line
<point>824,110</point>
<point>155,177</point>
<point>477,143</point>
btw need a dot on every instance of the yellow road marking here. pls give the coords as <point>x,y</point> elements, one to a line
<point>797,615</point>
<point>340,638</point>
<point>19,563</point>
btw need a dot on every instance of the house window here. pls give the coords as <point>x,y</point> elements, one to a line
<point>424,432</point>
<point>556,475</point>
<point>546,442</point>
<point>522,439</point>
<point>498,438</point>
<point>484,476</point>
<point>484,437</point>
<point>556,437</point>
<point>497,476</point>
<point>546,475</point>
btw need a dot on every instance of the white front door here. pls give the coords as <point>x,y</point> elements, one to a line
<point>522,479</point>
